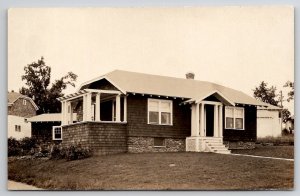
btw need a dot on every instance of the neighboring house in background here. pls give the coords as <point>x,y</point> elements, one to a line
<point>268,121</point>
<point>20,107</point>
<point>46,127</point>
<point>134,112</point>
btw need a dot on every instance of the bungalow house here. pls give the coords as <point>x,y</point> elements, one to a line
<point>268,121</point>
<point>134,112</point>
<point>20,107</point>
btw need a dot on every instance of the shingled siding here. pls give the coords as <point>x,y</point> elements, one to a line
<point>101,137</point>
<point>243,136</point>
<point>18,109</point>
<point>141,134</point>
<point>42,131</point>
<point>137,122</point>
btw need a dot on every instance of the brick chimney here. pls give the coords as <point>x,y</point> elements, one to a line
<point>190,75</point>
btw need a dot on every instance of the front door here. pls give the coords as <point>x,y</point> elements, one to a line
<point>209,120</point>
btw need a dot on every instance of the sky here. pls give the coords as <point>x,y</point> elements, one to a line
<point>234,46</point>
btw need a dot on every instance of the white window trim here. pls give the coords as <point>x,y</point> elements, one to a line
<point>24,101</point>
<point>53,133</point>
<point>234,117</point>
<point>159,111</point>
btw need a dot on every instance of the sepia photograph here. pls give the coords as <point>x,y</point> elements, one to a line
<point>151,98</point>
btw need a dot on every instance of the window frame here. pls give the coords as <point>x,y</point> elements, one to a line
<point>24,101</point>
<point>234,117</point>
<point>160,111</point>
<point>163,142</point>
<point>18,128</point>
<point>53,133</point>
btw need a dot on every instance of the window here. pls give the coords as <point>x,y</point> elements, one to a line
<point>24,101</point>
<point>234,117</point>
<point>158,142</point>
<point>159,112</point>
<point>18,128</point>
<point>56,133</point>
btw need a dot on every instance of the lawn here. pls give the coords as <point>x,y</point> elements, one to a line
<point>152,171</point>
<point>269,151</point>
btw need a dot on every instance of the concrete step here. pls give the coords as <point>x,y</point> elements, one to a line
<point>223,152</point>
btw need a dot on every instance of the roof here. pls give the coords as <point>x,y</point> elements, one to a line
<point>269,107</point>
<point>13,97</point>
<point>45,117</point>
<point>49,117</point>
<point>191,89</point>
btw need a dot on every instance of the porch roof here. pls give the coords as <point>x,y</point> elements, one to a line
<point>84,91</point>
<point>132,82</point>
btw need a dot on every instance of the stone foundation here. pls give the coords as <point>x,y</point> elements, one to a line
<point>146,144</point>
<point>239,145</point>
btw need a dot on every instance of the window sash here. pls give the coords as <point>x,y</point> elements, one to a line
<point>163,109</point>
<point>237,116</point>
<point>56,133</point>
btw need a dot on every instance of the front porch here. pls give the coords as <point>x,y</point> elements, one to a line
<point>94,105</point>
<point>206,128</point>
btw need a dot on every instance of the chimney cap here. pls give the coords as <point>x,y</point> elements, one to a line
<point>190,75</point>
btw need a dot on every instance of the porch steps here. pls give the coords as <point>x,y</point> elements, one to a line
<point>217,146</point>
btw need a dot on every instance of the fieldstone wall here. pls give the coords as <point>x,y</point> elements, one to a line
<point>239,145</point>
<point>146,144</point>
<point>100,137</point>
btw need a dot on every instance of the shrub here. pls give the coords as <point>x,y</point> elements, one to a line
<point>277,141</point>
<point>74,152</point>
<point>14,147</point>
<point>27,144</point>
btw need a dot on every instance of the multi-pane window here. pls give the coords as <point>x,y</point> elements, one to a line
<point>159,112</point>
<point>234,117</point>
<point>56,133</point>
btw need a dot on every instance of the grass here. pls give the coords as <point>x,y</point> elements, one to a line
<point>269,151</point>
<point>153,171</point>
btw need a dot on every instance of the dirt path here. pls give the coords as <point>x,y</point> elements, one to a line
<point>12,185</point>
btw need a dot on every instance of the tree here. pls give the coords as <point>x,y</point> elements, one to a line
<point>266,94</point>
<point>285,115</point>
<point>291,93</point>
<point>37,76</point>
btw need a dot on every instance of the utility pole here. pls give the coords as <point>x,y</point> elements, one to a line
<point>281,99</point>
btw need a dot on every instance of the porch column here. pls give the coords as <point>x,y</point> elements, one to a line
<point>97,118</point>
<point>125,109</point>
<point>220,121</point>
<point>88,106</point>
<point>118,108</point>
<point>63,113</point>
<point>202,120</point>
<point>84,107</point>
<point>216,121</point>
<point>197,120</point>
<point>70,112</point>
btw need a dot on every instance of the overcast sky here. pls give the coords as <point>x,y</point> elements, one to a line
<point>234,46</point>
